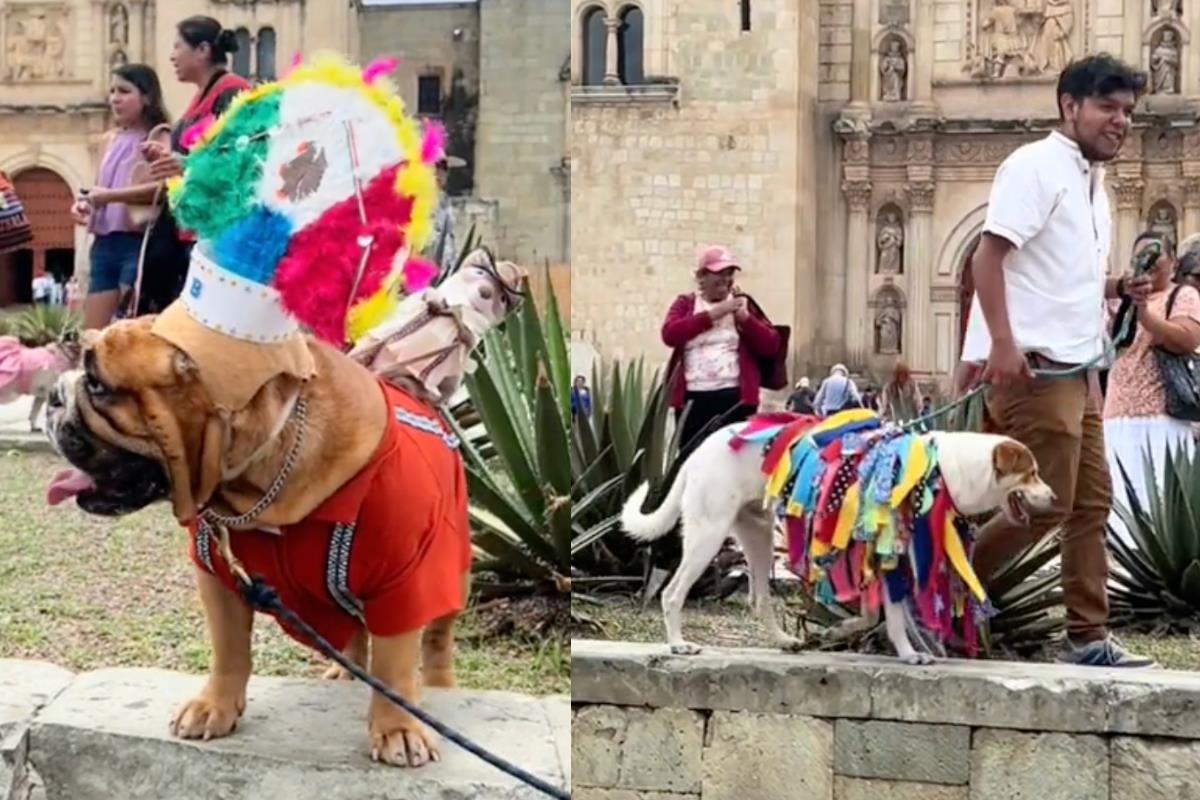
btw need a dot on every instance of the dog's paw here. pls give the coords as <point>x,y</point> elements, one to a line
<point>337,672</point>
<point>685,649</point>
<point>791,644</point>
<point>207,717</point>
<point>403,742</point>
<point>918,659</point>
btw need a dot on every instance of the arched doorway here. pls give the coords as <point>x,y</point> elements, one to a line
<point>47,199</point>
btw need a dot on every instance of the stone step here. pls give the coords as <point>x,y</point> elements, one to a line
<point>105,736</point>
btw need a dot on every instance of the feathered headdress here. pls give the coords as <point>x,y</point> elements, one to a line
<point>307,198</point>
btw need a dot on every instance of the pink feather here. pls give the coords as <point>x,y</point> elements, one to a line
<point>193,134</point>
<point>418,274</point>
<point>296,59</point>
<point>380,66</point>
<point>433,146</point>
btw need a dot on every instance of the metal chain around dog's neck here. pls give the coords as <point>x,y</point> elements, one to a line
<point>300,410</point>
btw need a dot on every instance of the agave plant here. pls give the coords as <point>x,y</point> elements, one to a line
<point>519,471</point>
<point>1156,583</point>
<point>1028,597</point>
<point>42,325</point>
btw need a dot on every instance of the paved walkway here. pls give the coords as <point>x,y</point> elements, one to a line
<point>14,427</point>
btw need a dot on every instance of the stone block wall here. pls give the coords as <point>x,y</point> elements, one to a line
<point>521,143</point>
<point>754,723</point>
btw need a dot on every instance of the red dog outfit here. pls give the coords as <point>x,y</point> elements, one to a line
<point>388,550</point>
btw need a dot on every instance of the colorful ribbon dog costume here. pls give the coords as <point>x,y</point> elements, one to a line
<point>865,505</point>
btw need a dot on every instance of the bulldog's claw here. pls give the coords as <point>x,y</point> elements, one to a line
<point>407,744</point>
<point>337,672</point>
<point>205,718</point>
<point>685,649</point>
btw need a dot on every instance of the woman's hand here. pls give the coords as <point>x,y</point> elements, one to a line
<point>81,212</point>
<point>742,311</point>
<point>163,163</point>
<point>98,196</point>
<point>727,306</point>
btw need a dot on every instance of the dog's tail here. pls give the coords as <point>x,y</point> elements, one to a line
<point>648,527</point>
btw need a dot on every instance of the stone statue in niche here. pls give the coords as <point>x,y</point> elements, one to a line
<point>36,43</point>
<point>893,71</point>
<point>889,244</point>
<point>888,328</point>
<point>118,25</point>
<point>118,59</point>
<point>1164,221</point>
<point>1164,64</point>
<point>1021,38</point>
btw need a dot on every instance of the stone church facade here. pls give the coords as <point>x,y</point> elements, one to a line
<point>845,150</point>
<point>486,69</point>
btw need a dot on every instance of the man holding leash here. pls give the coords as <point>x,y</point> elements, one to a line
<point>1040,288</point>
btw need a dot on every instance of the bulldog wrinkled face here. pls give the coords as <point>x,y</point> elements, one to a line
<point>95,421</point>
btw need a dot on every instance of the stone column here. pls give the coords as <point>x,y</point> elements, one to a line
<point>1191,208</point>
<point>1128,192</point>
<point>922,56</point>
<point>918,270</point>
<point>862,59</point>
<point>858,266</point>
<point>611,76</point>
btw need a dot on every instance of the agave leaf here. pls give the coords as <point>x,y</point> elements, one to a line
<point>601,494</point>
<point>558,520</point>
<point>1143,531</point>
<point>553,444</point>
<point>509,513</point>
<point>1190,584</point>
<point>1032,559</point>
<point>594,534</point>
<point>1130,559</point>
<point>557,355</point>
<point>503,430</point>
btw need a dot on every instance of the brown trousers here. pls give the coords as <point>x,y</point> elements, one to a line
<point>1059,420</point>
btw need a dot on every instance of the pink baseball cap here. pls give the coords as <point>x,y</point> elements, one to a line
<point>716,259</point>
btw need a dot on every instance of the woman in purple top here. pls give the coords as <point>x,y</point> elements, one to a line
<point>135,98</point>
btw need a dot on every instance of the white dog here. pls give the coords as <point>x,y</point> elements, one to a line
<point>720,490</point>
<point>33,371</point>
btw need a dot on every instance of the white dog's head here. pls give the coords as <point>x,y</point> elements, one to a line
<point>984,472</point>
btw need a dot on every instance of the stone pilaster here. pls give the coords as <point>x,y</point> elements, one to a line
<point>918,269</point>
<point>857,265</point>
<point>1191,207</point>
<point>924,37</point>
<point>612,26</point>
<point>862,59</point>
<point>1128,192</point>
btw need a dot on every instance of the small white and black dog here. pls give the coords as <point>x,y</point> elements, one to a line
<point>33,371</point>
<point>719,490</point>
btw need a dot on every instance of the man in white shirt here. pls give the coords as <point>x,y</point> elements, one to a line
<point>1040,288</point>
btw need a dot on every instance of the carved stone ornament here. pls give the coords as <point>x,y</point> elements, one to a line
<point>920,196</point>
<point>1164,220</point>
<point>118,25</point>
<point>118,59</point>
<point>858,194</point>
<point>1128,193</point>
<point>888,324</point>
<point>1164,62</point>
<point>1168,9</point>
<point>35,42</point>
<point>894,13</point>
<point>1019,38</point>
<point>893,70</point>
<point>856,150</point>
<point>920,150</point>
<point>1191,192</point>
<point>889,242</point>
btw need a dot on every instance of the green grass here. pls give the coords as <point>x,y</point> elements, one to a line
<point>87,592</point>
<point>731,623</point>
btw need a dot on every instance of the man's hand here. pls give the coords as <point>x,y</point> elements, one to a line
<point>1006,366</point>
<point>1139,289</point>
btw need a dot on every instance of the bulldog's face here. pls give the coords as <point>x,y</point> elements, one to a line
<point>135,424</point>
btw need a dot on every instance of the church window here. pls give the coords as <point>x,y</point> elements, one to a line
<point>594,43</point>
<point>429,94</point>
<point>265,54</point>
<point>241,59</point>
<point>630,39</point>
<point>745,6</point>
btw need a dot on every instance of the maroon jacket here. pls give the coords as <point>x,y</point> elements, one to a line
<point>756,339</point>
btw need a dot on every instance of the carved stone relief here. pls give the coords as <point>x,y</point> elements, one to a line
<point>889,241</point>
<point>893,12</point>
<point>1164,220</point>
<point>118,25</point>
<point>1020,38</point>
<point>35,43</point>
<point>1164,62</point>
<point>893,70</point>
<point>1168,9</point>
<point>889,322</point>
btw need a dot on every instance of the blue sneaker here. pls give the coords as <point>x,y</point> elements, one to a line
<point>1106,652</point>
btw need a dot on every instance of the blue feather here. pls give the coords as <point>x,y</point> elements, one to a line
<point>253,246</point>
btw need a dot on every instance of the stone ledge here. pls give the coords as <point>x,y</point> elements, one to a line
<point>104,734</point>
<point>1040,697</point>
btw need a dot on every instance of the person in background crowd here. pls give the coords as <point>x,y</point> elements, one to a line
<point>717,338</point>
<point>801,399</point>
<point>837,393</point>
<point>43,286</point>
<point>1135,408</point>
<point>136,100</point>
<point>200,55</point>
<point>443,247</point>
<point>899,401</point>
<point>581,399</point>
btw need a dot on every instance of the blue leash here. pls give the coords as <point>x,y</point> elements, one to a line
<point>262,597</point>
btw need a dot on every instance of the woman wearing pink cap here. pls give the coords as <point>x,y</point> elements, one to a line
<point>719,337</point>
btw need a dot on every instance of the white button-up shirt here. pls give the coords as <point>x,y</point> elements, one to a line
<point>1049,201</point>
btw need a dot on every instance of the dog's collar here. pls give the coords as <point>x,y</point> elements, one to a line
<point>300,412</point>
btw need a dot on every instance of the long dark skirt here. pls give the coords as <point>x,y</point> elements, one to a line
<point>723,405</point>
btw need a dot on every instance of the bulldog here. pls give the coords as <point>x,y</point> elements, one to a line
<point>344,493</point>
<point>720,489</point>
